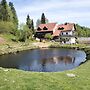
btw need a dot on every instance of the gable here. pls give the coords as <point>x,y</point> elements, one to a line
<point>48,27</point>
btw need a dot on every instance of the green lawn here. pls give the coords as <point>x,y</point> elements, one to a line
<point>21,80</point>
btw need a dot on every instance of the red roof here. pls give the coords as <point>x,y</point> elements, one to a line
<point>66,27</point>
<point>57,33</point>
<point>60,28</point>
<point>49,26</point>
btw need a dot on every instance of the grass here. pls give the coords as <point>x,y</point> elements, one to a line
<point>10,46</point>
<point>11,79</point>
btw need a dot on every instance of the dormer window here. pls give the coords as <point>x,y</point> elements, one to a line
<point>60,28</point>
<point>66,23</point>
<point>39,29</point>
<point>66,33</point>
<point>45,28</point>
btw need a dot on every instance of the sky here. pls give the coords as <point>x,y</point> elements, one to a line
<point>60,11</point>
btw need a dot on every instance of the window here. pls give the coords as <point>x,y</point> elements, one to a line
<point>45,28</point>
<point>66,23</point>
<point>62,33</point>
<point>39,29</point>
<point>60,28</point>
<point>66,33</point>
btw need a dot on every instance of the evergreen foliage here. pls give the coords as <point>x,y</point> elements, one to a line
<point>15,19</point>
<point>43,21</point>
<point>30,23</point>
<point>5,12</point>
<point>9,23</point>
<point>8,18</point>
<point>32,26</point>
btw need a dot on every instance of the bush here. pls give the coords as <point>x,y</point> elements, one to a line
<point>23,34</point>
<point>48,36</point>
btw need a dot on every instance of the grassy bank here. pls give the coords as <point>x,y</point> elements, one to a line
<point>15,47</point>
<point>9,46</point>
<point>84,47</point>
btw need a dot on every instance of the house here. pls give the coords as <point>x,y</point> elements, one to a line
<point>43,29</point>
<point>67,33</point>
<point>64,32</point>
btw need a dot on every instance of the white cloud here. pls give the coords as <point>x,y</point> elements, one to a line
<point>56,10</point>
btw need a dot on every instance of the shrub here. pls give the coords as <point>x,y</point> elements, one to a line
<point>48,36</point>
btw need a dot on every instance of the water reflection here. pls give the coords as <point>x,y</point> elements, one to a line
<point>48,60</point>
<point>57,60</point>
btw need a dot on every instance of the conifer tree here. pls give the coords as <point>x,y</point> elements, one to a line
<point>43,19</point>
<point>0,12</point>
<point>15,19</point>
<point>32,26</point>
<point>4,11</point>
<point>28,21</point>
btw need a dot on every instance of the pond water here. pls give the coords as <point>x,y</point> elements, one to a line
<point>44,60</point>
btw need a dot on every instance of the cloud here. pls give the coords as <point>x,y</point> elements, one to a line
<point>55,10</point>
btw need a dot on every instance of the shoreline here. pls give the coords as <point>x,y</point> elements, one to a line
<point>9,49</point>
<point>13,50</point>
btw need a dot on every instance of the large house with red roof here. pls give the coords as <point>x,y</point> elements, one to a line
<point>64,32</point>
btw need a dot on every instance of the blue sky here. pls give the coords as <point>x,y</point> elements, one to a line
<point>61,11</point>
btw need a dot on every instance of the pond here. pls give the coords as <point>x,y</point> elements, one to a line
<point>44,60</point>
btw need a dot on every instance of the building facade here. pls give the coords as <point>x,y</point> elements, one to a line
<point>64,32</point>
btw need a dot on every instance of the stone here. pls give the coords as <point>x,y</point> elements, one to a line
<point>70,75</point>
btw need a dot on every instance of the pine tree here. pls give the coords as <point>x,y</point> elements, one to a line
<point>43,19</point>
<point>15,19</point>
<point>32,26</point>
<point>7,17</point>
<point>4,11</point>
<point>0,12</point>
<point>28,21</point>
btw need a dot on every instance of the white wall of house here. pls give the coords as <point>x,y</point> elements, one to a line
<point>73,28</point>
<point>55,28</point>
<point>72,40</point>
<point>67,33</point>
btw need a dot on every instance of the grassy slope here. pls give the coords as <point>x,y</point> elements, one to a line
<point>21,80</point>
<point>10,46</point>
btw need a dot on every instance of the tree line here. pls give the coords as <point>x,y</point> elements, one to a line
<point>8,17</point>
<point>9,23</point>
<point>82,31</point>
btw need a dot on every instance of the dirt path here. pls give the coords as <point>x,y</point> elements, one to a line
<point>41,44</point>
<point>1,40</point>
